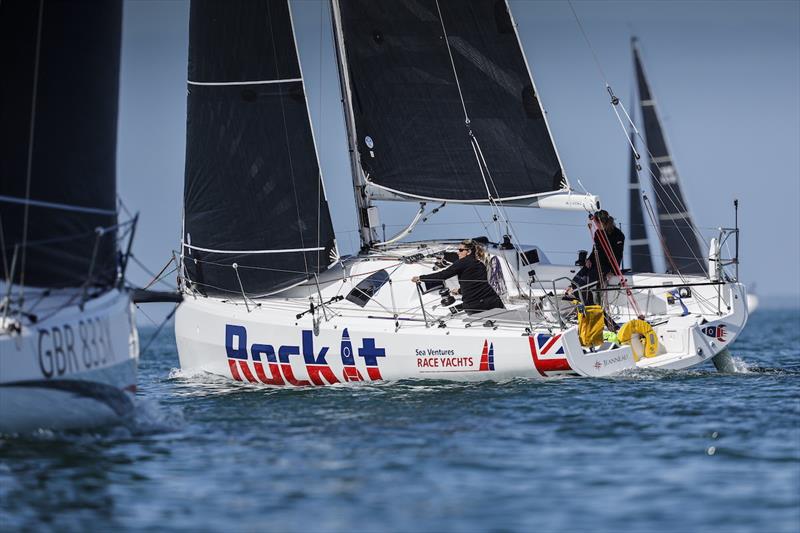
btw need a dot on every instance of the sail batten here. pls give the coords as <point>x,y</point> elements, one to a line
<point>442,102</point>
<point>676,227</point>
<point>253,194</point>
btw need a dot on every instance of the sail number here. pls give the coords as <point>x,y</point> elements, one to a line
<point>65,349</point>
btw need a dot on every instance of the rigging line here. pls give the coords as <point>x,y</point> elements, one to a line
<point>648,206</point>
<point>589,44</point>
<point>320,123</point>
<point>672,195</point>
<point>32,130</point>
<point>677,228</point>
<point>655,111</point>
<point>676,201</point>
<point>54,205</point>
<point>614,99</point>
<point>124,207</point>
<point>606,245</point>
<point>616,102</point>
<point>158,276</point>
<point>473,140</point>
<point>157,331</point>
<point>453,65</point>
<point>3,248</point>
<point>483,168</point>
<point>477,214</point>
<point>503,213</point>
<point>152,275</point>
<point>139,308</point>
<point>286,132</point>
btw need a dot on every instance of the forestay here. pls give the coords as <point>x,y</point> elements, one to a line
<point>443,103</point>
<point>683,250</point>
<point>58,136</point>
<point>253,192</point>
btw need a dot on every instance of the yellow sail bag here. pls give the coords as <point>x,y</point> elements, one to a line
<point>590,325</point>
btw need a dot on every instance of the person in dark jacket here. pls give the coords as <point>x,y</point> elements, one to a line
<point>591,272</point>
<point>476,293</point>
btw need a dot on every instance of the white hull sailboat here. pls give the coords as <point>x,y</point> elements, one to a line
<point>68,341</point>
<point>74,368</point>
<point>440,107</point>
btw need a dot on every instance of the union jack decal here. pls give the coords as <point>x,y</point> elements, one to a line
<point>548,355</point>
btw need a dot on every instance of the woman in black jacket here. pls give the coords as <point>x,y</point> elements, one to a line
<point>476,293</point>
<point>591,272</point>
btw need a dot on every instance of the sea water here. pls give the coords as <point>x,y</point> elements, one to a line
<point>692,450</point>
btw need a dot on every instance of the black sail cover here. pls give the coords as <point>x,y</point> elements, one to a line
<point>409,119</point>
<point>58,135</point>
<point>641,258</point>
<point>253,192</point>
<point>675,223</point>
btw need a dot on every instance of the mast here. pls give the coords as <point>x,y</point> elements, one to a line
<point>678,232</point>
<point>368,233</point>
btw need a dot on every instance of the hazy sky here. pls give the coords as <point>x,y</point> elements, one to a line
<point>726,77</point>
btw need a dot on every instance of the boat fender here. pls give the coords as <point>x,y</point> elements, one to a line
<point>645,332</point>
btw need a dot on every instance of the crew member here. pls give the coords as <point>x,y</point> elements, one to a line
<point>591,272</point>
<point>476,293</point>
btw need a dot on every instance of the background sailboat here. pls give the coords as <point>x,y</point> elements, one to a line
<point>677,231</point>
<point>68,346</point>
<point>677,234</point>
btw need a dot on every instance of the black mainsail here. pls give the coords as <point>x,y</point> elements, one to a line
<point>58,136</point>
<point>641,259</point>
<point>683,252</point>
<point>253,194</point>
<point>416,71</point>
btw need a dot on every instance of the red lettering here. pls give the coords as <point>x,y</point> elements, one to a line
<point>234,370</point>
<point>246,370</point>
<point>274,378</point>
<point>351,373</point>
<point>315,371</point>
<point>286,370</point>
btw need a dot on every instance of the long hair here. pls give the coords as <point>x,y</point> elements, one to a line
<point>606,220</point>
<point>475,249</point>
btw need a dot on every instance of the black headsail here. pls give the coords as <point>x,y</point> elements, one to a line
<point>253,194</point>
<point>409,100</point>
<point>675,223</point>
<point>58,135</point>
<point>641,259</point>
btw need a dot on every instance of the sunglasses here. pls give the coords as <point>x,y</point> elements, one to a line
<point>463,250</point>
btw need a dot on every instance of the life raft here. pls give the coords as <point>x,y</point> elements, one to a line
<point>649,340</point>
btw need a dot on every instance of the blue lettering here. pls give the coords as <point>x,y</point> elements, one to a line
<point>258,349</point>
<point>346,349</point>
<point>369,352</point>
<point>241,333</point>
<point>285,351</point>
<point>308,350</point>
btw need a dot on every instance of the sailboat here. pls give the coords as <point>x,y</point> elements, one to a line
<point>678,236</point>
<point>68,342</point>
<point>440,108</point>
